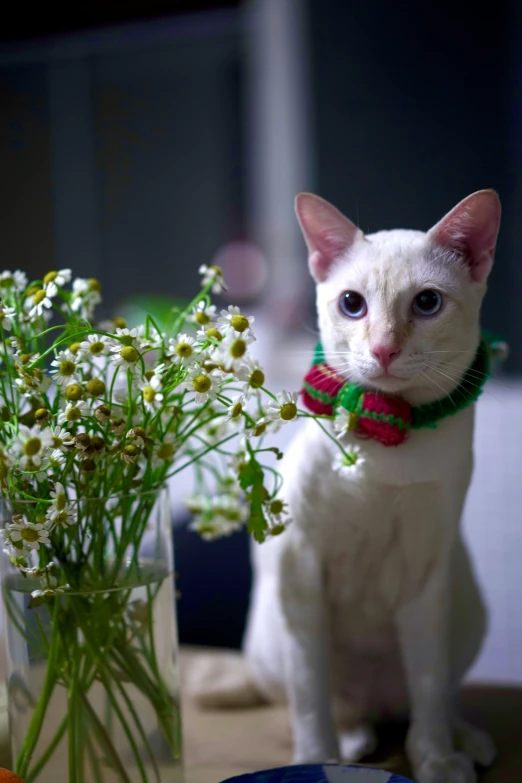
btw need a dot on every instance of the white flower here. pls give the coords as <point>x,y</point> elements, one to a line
<point>285,409</point>
<point>126,357</point>
<point>234,320</point>
<point>150,391</point>
<point>279,517</point>
<point>348,464</point>
<point>54,279</point>
<point>343,422</point>
<point>47,591</point>
<point>202,314</point>
<point>232,352</point>
<point>181,349</point>
<point>36,303</point>
<point>204,385</point>
<point>66,370</point>
<point>214,275</point>
<point>30,536</point>
<point>253,375</point>
<point>235,409</point>
<point>60,512</point>
<point>81,286</point>
<point>73,412</point>
<point>221,517</point>
<point>166,450</point>
<point>6,314</point>
<point>10,280</point>
<point>85,296</point>
<point>95,345</point>
<point>32,444</point>
<point>62,442</point>
<point>262,426</point>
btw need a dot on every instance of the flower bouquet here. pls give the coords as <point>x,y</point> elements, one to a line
<point>94,420</point>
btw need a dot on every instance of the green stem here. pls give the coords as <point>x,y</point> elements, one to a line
<point>38,717</point>
<point>104,739</point>
<point>51,747</point>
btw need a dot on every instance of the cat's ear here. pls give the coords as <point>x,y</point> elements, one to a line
<point>471,228</point>
<point>326,231</point>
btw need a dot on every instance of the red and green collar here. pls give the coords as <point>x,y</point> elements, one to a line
<point>388,418</point>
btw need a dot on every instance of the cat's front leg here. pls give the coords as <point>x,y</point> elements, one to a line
<point>423,628</point>
<point>306,652</point>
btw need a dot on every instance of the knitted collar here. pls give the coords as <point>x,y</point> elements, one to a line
<point>388,418</point>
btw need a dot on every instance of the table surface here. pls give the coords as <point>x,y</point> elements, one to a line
<point>219,744</point>
<point>222,743</point>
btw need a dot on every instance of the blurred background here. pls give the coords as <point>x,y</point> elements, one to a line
<point>140,140</point>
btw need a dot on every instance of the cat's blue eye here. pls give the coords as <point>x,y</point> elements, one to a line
<point>352,304</point>
<point>427,303</point>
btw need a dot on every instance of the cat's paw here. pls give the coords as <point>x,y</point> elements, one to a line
<point>475,743</point>
<point>357,743</point>
<point>455,768</point>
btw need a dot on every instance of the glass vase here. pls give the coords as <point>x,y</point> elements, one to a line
<point>92,650</point>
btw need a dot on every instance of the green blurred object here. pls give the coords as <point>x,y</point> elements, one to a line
<point>163,309</point>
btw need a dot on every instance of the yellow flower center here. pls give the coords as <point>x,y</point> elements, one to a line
<point>61,518</point>
<point>6,282</point>
<point>67,367</point>
<point>119,323</point>
<point>61,501</point>
<point>276,507</point>
<point>97,347</point>
<point>74,348</point>
<point>96,387</point>
<point>73,392</point>
<point>217,270</point>
<point>277,530</point>
<point>39,296</point>
<point>238,349</point>
<point>236,410</point>
<point>260,429</point>
<point>184,350</point>
<point>73,414</point>
<point>94,284</point>
<point>257,379</point>
<point>131,451</point>
<point>129,354</point>
<point>201,383</point>
<point>149,394</point>
<point>288,411</point>
<point>166,451</point>
<point>49,277</point>
<point>29,534</point>
<point>32,447</point>
<point>149,374</point>
<point>42,416</point>
<point>201,318</point>
<point>215,334</point>
<point>239,322</point>
<point>57,442</point>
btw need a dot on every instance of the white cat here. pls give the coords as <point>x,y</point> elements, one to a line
<point>367,606</point>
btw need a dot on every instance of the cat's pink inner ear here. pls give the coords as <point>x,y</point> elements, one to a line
<point>472,228</point>
<point>327,233</point>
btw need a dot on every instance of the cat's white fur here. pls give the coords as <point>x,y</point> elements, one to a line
<point>367,606</point>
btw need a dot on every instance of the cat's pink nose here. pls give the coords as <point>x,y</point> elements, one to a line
<point>385,354</point>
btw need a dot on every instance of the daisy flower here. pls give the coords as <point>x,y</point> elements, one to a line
<point>59,278</point>
<point>348,464</point>
<point>234,320</point>
<point>62,442</point>
<point>126,357</point>
<point>6,314</point>
<point>343,422</point>
<point>85,296</point>
<point>73,412</point>
<point>165,451</point>
<point>150,391</point>
<point>279,517</point>
<point>202,314</point>
<point>48,591</point>
<point>27,536</point>
<point>285,409</point>
<point>180,350</point>
<point>66,369</point>
<point>205,386</point>
<point>95,345</point>
<point>10,280</point>
<point>214,275</point>
<point>232,352</point>
<point>37,302</point>
<point>253,375</point>
<point>60,512</point>
<point>235,409</point>
<point>32,444</point>
<point>209,333</point>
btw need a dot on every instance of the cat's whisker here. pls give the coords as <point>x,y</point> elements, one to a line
<point>457,380</point>
<point>434,382</point>
<point>477,374</point>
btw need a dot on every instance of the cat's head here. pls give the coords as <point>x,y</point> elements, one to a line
<point>399,310</point>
